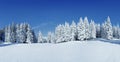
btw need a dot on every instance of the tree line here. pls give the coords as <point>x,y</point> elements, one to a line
<point>83,30</point>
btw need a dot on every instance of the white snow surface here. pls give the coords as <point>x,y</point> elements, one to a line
<point>73,51</point>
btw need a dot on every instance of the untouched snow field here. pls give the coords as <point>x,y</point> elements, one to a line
<point>74,51</point>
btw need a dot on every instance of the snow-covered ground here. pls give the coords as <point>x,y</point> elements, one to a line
<point>74,51</point>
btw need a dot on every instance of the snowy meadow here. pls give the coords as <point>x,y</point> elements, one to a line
<point>76,42</point>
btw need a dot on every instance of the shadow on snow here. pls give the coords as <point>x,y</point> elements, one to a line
<point>111,41</point>
<point>3,45</point>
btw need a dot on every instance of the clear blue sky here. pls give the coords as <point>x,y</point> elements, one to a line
<point>44,15</point>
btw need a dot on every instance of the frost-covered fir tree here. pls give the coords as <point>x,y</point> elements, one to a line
<point>73,31</point>
<point>40,37</point>
<point>87,31</point>
<point>81,29</point>
<point>103,31</point>
<point>10,34</point>
<point>53,38</point>
<point>50,38</point>
<point>13,39</point>
<point>30,38</point>
<point>34,36</point>
<point>13,33</point>
<point>67,33</point>
<point>59,33</point>
<point>7,34</point>
<point>108,28</point>
<point>22,33</point>
<point>92,30</point>
<point>18,33</point>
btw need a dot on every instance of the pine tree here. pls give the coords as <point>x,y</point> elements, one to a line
<point>92,30</point>
<point>8,34</point>
<point>73,31</point>
<point>67,32</point>
<point>103,34</point>
<point>50,37</point>
<point>87,31</point>
<point>40,37</point>
<point>30,38</point>
<point>81,30</point>
<point>34,37</point>
<point>22,34</point>
<point>18,33</point>
<point>108,28</point>
<point>13,33</point>
<point>59,33</point>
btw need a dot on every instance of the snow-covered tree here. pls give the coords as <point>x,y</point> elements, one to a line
<point>73,31</point>
<point>13,33</point>
<point>67,32</point>
<point>10,33</point>
<point>40,37</point>
<point>103,31</point>
<point>92,30</point>
<point>34,36</point>
<point>22,34</point>
<point>30,38</point>
<point>59,33</point>
<point>87,31</point>
<point>81,30</point>
<point>53,38</point>
<point>116,32</point>
<point>17,33</point>
<point>7,34</point>
<point>50,38</point>
<point>108,28</point>
<point>13,39</point>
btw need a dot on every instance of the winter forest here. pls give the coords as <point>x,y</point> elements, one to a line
<point>82,30</point>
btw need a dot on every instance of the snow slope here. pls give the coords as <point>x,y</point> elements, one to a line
<point>74,51</point>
